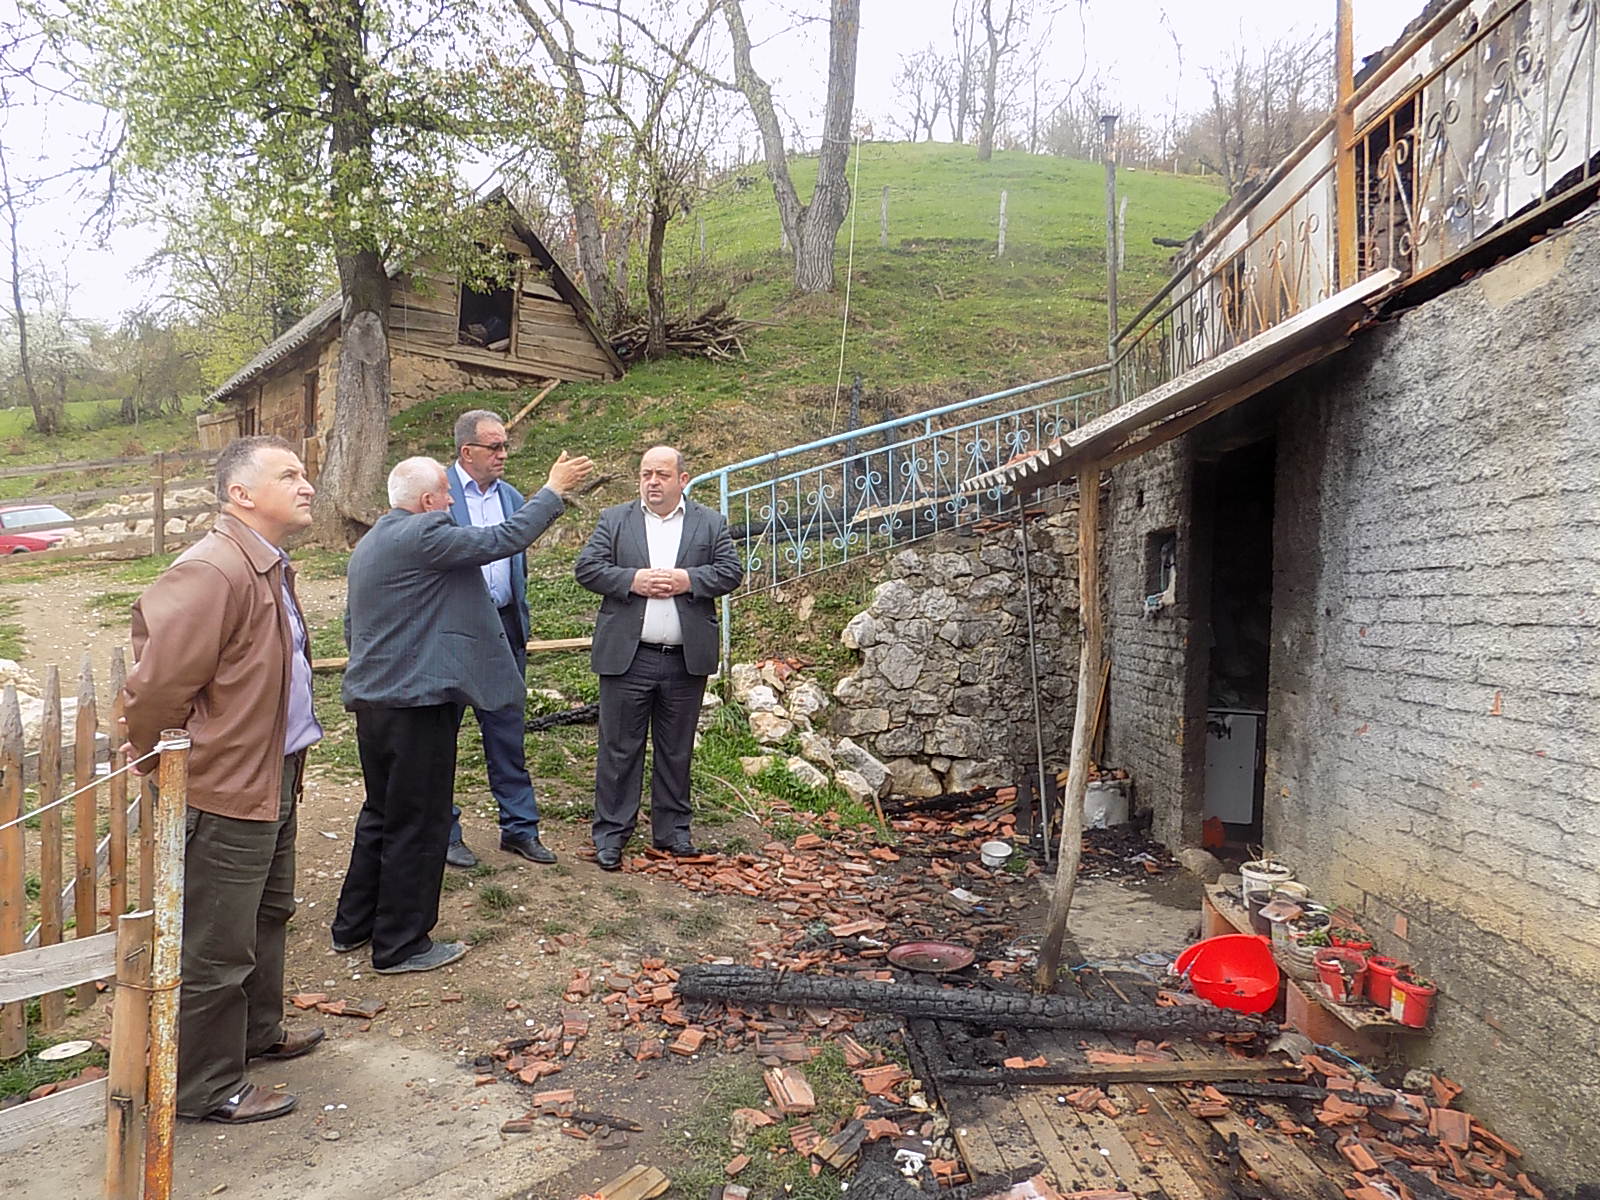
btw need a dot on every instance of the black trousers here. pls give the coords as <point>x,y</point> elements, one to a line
<point>391,890</point>
<point>238,896</point>
<point>657,697</point>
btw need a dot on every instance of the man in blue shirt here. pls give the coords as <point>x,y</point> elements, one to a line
<point>480,497</point>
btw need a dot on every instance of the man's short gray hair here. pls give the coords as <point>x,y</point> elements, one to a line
<point>467,425</point>
<point>410,478</point>
<point>238,459</point>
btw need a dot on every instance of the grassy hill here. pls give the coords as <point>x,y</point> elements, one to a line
<point>933,317</point>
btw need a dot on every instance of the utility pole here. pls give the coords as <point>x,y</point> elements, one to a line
<point>1108,122</point>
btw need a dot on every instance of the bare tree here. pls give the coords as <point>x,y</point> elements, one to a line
<point>811,229</point>
<point>966,66</point>
<point>1263,104</point>
<point>924,85</point>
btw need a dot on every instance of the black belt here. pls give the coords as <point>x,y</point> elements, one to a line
<point>661,647</point>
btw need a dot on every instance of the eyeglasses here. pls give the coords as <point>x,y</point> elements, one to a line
<point>492,447</point>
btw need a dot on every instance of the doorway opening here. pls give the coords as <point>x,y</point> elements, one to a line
<point>1240,642</point>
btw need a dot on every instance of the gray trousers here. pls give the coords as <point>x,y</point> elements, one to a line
<point>238,896</point>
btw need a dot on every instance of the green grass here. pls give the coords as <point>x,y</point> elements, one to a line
<point>495,899</point>
<point>21,1075</point>
<point>706,1134</point>
<point>13,642</point>
<point>90,435</point>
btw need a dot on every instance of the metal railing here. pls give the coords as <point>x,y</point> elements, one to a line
<point>1478,122</point>
<point>871,490</point>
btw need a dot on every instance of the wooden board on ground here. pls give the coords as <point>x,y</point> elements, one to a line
<point>47,1117</point>
<point>638,1182</point>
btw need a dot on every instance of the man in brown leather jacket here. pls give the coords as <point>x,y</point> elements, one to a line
<point>221,649</point>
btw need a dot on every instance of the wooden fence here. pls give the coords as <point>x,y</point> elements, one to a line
<point>121,903</point>
<point>162,473</point>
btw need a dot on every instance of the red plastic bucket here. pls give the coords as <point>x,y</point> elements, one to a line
<point>1380,978</point>
<point>1411,1004</point>
<point>1233,971</point>
<point>1343,974</point>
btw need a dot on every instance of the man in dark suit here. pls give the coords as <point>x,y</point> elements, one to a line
<point>480,497</point>
<point>661,562</point>
<point>425,640</point>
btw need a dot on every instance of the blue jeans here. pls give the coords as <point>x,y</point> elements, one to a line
<point>504,748</point>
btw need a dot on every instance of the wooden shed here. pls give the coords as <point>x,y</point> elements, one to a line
<point>443,337</point>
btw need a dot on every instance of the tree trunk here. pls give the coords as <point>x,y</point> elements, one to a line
<point>812,229</point>
<point>358,443</point>
<point>991,81</point>
<point>655,338</point>
<point>592,255</point>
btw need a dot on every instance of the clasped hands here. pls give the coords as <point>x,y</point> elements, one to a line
<point>657,583</point>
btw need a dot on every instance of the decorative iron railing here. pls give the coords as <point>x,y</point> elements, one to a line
<point>1481,120</point>
<point>870,490</point>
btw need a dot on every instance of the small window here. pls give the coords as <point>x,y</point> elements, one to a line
<point>1160,569</point>
<point>486,318</point>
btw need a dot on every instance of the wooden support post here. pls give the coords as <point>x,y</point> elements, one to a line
<point>147,840</point>
<point>86,819</point>
<point>130,1036</point>
<point>1344,135</point>
<point>1000,246</point>
<point>883,219</point>
<point>158,523</point>
<point>52,1006</point>
<point>13,886</point>
<point>531,405</point>
<point>167,836</point>
<point>1089,670</point>
<point>117,863</point>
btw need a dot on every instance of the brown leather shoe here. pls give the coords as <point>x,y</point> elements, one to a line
<point>293,1044</point>
<point>249,1104</point>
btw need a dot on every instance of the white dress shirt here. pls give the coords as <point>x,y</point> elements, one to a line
<point>485,508</point>
<point>661,624</point>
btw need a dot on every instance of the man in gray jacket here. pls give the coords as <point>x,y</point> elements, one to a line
<point>425,641</point>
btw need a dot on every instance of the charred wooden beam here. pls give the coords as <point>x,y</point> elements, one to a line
<point>1020,1010</point>
<point>1152,1072</point>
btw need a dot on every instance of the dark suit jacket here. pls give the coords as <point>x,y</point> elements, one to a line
<point>510,501</point>
<point>618,548</point>
<point>418,620</point>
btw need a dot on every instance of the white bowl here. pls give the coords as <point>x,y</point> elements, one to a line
<point>994,853</point>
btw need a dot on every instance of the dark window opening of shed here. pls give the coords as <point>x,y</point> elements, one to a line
<point>486,317</point>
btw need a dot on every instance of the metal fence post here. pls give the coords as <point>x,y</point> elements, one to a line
<point>166,961</point>
<point>727,598</point>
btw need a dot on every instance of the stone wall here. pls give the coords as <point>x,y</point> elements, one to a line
<point>943,693</point>
<point>1434,699</point>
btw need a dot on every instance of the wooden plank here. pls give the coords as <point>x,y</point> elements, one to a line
<point>541,357</point>
<point>532,306</point>
<point>117,837</point>
<point>38,1120</point>
<point>96,464</point>
<point>545,645</point>
<point>120,518</point>
<point>1145,1072</point>
<point>573,336</point>
<point>30,973</point>
<point>415,319</point>
<point>976,1144</point>
<point>86,819</point>
<point>125,1078</point>
<point>71,500</point>
<point>140,546</point>
<point>136,821</point>
<point>53,1007</point>
<point>531,405</point>
<point>13,888</point>
<point>532,285</point>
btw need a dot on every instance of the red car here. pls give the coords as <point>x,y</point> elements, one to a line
<point>25,527</point>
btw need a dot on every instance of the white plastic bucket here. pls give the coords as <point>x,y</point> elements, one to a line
<point>1262,875</point>
<point>994,854</point>
<point>1105,803</point>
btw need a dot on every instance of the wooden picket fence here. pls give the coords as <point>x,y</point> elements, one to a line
<point>162,472</point>
<point>124,898</point>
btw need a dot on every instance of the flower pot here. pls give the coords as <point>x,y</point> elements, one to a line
<point>1352,941</point>
<point>1411,1001</point>
<point>1262,875</point>
<point>1342,973</point>
<point>1298,960</point>
<point>1380,978</point>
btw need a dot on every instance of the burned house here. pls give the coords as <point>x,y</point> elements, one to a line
<point>443,336</point>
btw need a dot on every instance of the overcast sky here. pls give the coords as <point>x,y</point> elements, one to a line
<point>1129,43</point>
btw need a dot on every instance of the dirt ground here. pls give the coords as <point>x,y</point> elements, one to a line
<point>388,1106</point>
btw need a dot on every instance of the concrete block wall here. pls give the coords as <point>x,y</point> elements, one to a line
<point>1434,731</point>
<point>1153,672</point>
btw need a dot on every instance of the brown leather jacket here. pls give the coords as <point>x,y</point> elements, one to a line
<point>211,645</point>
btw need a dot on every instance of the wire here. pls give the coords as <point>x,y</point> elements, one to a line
<point>98,780</point>
<point>849,277</point>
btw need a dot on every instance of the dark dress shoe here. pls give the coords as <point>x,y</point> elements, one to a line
<point>251,1103</point>
<point>608,860</point>
<point>530,848</point>
<point>682,850</point>
<point>293,1044</point>
<point>460,855</point>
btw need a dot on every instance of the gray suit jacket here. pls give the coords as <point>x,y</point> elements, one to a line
<point>618,548</point>
<point>418,620</point>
